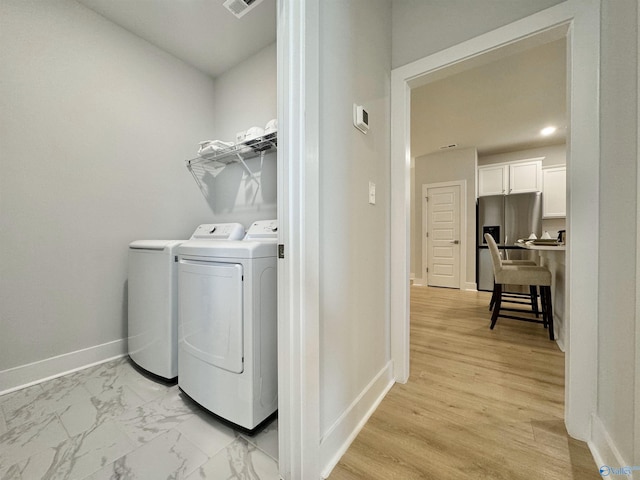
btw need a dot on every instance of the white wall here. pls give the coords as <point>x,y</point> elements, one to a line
<point>553,155</point>
<point>617,341</point>
<point>421,27</point>
<point>245,97</point>
<point>355,59</point>
<point>95,127</point>
<point>446,166</point>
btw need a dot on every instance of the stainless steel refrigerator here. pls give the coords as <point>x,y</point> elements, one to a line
<point>507,218</point>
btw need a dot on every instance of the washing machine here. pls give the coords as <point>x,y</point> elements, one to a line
<point>153,298</point>
<point>227,348</point>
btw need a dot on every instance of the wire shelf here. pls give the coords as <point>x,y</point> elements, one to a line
<point>239,152</point>
<point>206,168</point>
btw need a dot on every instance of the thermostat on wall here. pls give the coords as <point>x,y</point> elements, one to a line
<point>360,118</point>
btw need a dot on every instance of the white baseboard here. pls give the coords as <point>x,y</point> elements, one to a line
<point>25,375</point>
<point>606,454</point>
<point>336,441</point>
<point>471,286</point>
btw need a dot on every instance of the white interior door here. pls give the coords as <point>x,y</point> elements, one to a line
<point>443,236</point>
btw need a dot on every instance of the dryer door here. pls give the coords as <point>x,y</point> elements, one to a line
<point>210,318</point>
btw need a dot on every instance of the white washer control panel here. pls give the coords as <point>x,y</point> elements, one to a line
<point>263,230</point>
<point>218,231</point>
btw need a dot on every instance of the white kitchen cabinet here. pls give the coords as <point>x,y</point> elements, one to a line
<point>493,180</point>
<point>507,178</point>
<point>554,193</point>
<point>525,177</point>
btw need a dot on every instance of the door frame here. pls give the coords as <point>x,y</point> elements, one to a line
<point>579,22</point>
<point>637,366</point>
<point>462,210</point>
<point>298,62</point>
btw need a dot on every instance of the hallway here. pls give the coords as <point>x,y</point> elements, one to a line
<point>478,404</point>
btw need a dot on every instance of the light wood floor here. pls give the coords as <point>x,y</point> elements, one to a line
<point>479,404</point>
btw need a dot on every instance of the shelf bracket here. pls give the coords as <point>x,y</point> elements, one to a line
<point>246,167</point>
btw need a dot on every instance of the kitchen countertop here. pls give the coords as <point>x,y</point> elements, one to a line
<point>531,246</point>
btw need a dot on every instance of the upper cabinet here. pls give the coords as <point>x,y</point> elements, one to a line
<point>525,177</point>
<point>493,180</point>
<point>554,193</point>
<point>507,178</point>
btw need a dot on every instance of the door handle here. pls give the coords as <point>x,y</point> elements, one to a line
<point>455,242</point>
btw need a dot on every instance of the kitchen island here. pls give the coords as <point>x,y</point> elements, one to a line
<point>553,256</point>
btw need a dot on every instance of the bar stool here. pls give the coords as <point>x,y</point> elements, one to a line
<point>514,297</point>
<point>533,276</point>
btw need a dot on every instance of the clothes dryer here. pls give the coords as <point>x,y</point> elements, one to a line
<point>153,298</point>
<point>227,348</point>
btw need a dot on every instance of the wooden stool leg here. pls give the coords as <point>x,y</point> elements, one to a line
<point>543,303</point>
<point>547,293</point>
<point>496,308</point>
<point>493,298</point>
<point>533,293</point>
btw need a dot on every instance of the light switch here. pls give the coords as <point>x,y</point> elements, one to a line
<point>372,193</point>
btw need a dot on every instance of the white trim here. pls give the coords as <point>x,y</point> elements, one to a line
<point>463,227</point>
<point>344,431</point>
<point>512,162</point>
<point>582,19</point>
<point>400,224</point>
<point>467,286</point>
<point>42,370</point>
<point>522,160</point>
<point>636,435</point>
<point>424,221</point>
<point>471,286</point>
<point>581,280</point>
<point>604,450</point>
<point>299,220</point>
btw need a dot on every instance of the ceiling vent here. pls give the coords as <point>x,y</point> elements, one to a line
<point>240,7</point>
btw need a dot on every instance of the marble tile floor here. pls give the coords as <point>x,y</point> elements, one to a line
<point>110,422</point>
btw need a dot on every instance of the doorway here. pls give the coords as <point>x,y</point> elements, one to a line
<point>576,22</point>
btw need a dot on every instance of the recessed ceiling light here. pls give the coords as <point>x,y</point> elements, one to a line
<point>546,131</point>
